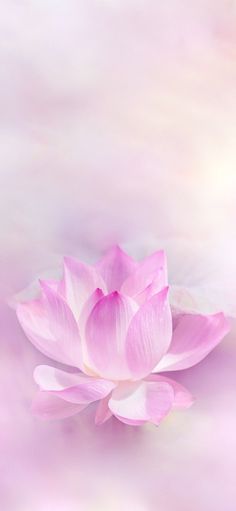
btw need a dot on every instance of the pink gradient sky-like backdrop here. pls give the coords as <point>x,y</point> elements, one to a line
<point>118,125</point>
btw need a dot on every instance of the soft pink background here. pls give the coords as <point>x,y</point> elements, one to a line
<point>118,125</point>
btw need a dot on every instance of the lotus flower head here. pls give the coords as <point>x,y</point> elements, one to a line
<point>113,325</point>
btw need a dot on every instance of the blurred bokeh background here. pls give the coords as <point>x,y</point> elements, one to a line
<point>118,124</point>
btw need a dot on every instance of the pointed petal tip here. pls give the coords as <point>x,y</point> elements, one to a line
<point>116,250</point>
<point>115,266</point>
<point>74,265</point>
<point>68,261</point>
<point>160,252</point>
<point>98,292</point>
<point>67,258</point>
<point>114,294</point>
<point>44,286</point>
<point>164,291</point>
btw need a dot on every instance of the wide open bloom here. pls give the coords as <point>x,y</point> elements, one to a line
<point>113,323</point>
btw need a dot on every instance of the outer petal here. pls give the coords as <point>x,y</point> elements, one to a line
<point>53,284</point>
<point>85,313</point>
<point>79,282</point>
<point>103,412</point>
<point>137,403</point>
<point>149,335</point>
<point>155,287</point>
<point>73,387</point>
<point>105,336</point>
<point>88,307</point>
<point>115,267</point>
<point>182,397</point>
<point>153,267</point>
<point>49,406</point>
<point>193,338</point>
<point>63,326</point>
<point>37,323</point>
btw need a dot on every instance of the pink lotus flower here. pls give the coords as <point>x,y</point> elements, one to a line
<point>113,322</point>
